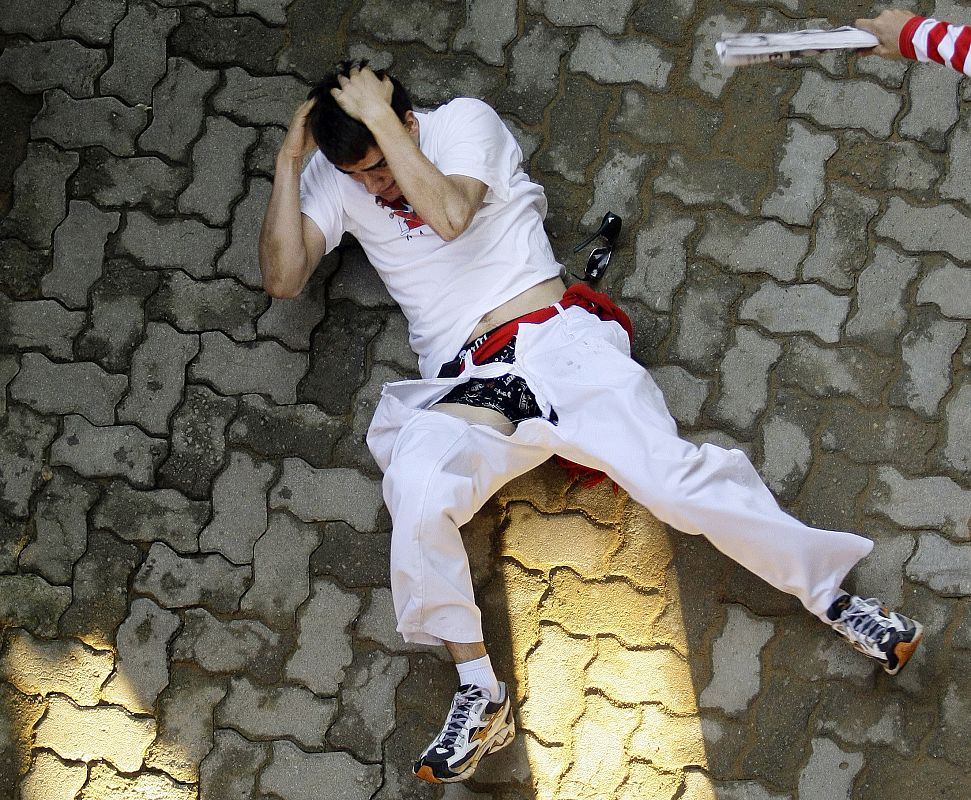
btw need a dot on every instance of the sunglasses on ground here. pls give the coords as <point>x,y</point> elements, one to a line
<point>599,257</point>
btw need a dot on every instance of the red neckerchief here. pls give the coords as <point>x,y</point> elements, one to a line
<point>400,208</point>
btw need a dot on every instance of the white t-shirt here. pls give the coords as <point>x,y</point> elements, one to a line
<point>444,288</point>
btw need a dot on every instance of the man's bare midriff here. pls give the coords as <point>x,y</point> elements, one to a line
<point>536,297</point>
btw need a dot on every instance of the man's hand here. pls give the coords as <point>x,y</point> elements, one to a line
<point>886,28</point>
<point>363,96</point>
<point>299,140</point>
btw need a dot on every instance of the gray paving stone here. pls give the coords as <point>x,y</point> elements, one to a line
<point>240,260</point>
<point>942,565</point>
<point>142,667</point>
<point>175,581</point>
<point>927,348</point>
<point>846,104</point>
<point>39,194</point>
<point>957,413</point>
<point>356,280</point>
<point>624,61</point>
<point>824,777</point>
<point>273,431</point>
<point>355,559</point>
<point>743,246</point>
<point>261,160</point>
<point>99,600</point>
<point>352,449</point>
<point>281,579</point>
<point>219,304</point>
<point>947,286</point>
<point>534,65</point>
<point>178,109</point>
<point>259,101</point>
<point>571,157</point>
<point>706,69</point>
<point>451,76</point>
<point>51,778</point>
<point>292,321</point>
<point>890,73</point>
<point>802,174</point>
<point>952,740</point>
<point>35,66</point>
<point>934,106</point>
<point>93,21</point>
<point>125,182</point>
<point>942,227</point>
<point>882,290</point>
<point>822,371</point>
<point>744,371</point>
<point>103,121</point>
<point>736,681</point>
<point>24,438</point>
<point>101,733</point>
<point>377,624</point>
<point>841,238</point>
<point>616,186</point>
<point>296,775</point>
<point>102,452</point>
<point>171,244</point>
<point>198,441</point>
<point>787,454</point>
<point>422,21</point>
<point>955,184</point>
<point>185,723</point>
<point>103,781</point>
<point>702,331</point>
<point>931,502</point>
<point>138,48</point>
<point>43,325</point>
<point>160,515</point>
<point>320,495</point>
<point>30,602</point>
<point>609,16</point>
<point>878,164</point>
<point>368,704</point>
<point>230,769</point>
<point>117,321</point>
<point>9,366</point>
<point>722,181</point>
<point>655,119</point>
<point>882,572</point>
<point>217,170</point>
<point>21,268</point>
<point>264,367</point>
<point>215,40</point>
<point>273,12</point>
<point>291,712</point>
<point>239,508</point>
<point>227,645</point>
<point>391,345</point>
<point>323,649</point>
<point>94,393</point>
<point>61,531</point>
<point>801,308</point>
<point>79,248</point>
<point>489,27</point>
<point>683,392</point>
<point>157,377</point>
<point>37,20</point>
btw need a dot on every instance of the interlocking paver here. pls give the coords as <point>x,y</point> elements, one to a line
<point>239,260</point>
<point>104,121</point>
<point>217,167</point>
<point>533,66</point>
<point>948,287</point>
<point>744,371</point>
<point>706,70</point>
<point>214,40</point>
<point>743,247</point>
<point>829,772</point>
<point>171,244</point>
<point>50,778</point>
<point>846,104</point>
<point>175,581</point>
<point>942,565</point>
<point>930,502</point>
<point>8,371</point>
<point>736,679</point>
<point>802,171</point>
<point>722,181</point>
<point>93,20</point>
<point>147,516</point>
<point>115,182</point>
<point>786,454</point>
<point>259,101</point>
<point>319,495</point>
<point>623,61</point>
<point>138,52</point>
<point>821,371</point>
<point>926,350</point>
<point>94,395</point>
<point>287,711</point>
<point>24,438</point>
<point>882,289</point>
<point>39,192</point>
<point>233,646</point>
<point>178,109</point>
<point>933,106</point>
<point>230,769</point>
<point>792,309</point>
<point>193,306</point>
<point>79,245</point>
<point>61,534</point>
<point>571,158</point>
<point>65,63</point>
<point>840,247</point>
<point>38,20</point>
<point>955,184</point>
<point>957,447</point>
<point>295,775</point>
<point>943,227</point>
<point>103,781</point>
<point>661,259</point>
<point>239,515</point>
<point>101,452</point>
<point>616,185</point>
<point>264,367</point>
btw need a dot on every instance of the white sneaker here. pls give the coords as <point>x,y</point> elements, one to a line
<point>875,630</point>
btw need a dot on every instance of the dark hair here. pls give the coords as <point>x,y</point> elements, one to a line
<point>344,140</point>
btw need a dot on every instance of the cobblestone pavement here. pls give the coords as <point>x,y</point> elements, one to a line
<point>193,565</point>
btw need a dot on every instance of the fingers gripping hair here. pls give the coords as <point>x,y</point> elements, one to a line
<point>344,140</point>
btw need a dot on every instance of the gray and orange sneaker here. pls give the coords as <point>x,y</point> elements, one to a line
<point>475,726</point>
<point>875,630</point>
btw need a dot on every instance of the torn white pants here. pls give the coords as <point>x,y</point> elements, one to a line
<point>439,470</point>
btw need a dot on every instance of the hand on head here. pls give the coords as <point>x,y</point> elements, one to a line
<point>362,94</point>
<point>299,140</point>
<point>886,28</point>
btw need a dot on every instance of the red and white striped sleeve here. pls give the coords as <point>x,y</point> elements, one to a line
<point>926,39</point>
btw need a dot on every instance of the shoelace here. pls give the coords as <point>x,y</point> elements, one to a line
<point>863,620</point>
<point>459,715</point>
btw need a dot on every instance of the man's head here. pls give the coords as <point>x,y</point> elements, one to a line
<point>344,141</point>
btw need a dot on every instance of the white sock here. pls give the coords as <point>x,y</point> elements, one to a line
<point>479,673</point>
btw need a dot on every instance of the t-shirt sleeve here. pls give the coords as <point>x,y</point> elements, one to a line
<point>927,39</point>
<point>320,199</point>
<point>473,141</point>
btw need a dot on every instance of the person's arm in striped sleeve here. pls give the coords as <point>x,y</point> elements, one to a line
<point>905,35</point>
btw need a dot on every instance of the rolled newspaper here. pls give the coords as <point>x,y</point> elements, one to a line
<point>738,49</point>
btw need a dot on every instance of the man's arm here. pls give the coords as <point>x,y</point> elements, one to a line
<point>445,202</point>
<point>291,245</point>
<point>906,35</point>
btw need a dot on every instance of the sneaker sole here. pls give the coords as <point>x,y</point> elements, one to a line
<point>499,739</point>
<point>904,650</point>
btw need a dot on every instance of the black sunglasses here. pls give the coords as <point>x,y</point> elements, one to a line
<point>599,257</point>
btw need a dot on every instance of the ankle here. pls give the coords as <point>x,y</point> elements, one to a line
<point>479,672</point>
